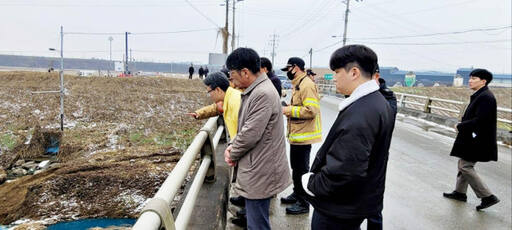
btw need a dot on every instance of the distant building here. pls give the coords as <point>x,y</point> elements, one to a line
<point>393,75</point>
<point>458,81</point>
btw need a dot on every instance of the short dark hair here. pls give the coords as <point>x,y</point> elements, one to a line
<point>265,63</point>
<point>355,55</point>
<point>244,58</point>
<point>217,79</point>
<point>482,74</point>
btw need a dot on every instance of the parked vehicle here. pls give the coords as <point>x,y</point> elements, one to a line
<point>285,82</point>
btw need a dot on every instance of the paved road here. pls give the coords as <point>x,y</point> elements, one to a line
<point>419,171</point>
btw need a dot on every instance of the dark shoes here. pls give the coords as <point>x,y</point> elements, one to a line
<point>238,201</point>
<point>456,196</point>
<point>488,202</point>
<point>240,222</point>
<point>291,199</point>
<point>241,213</point>
<point>298,208</point>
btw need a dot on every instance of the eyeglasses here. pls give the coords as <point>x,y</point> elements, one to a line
<point>209,91</point>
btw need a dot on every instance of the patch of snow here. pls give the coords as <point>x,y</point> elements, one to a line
<point>29,138</point>
<point>21,221</point>
<point>37,112</point>
<point>44,164</point>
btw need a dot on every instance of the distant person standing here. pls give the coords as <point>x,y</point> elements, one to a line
<point>190,71</point>
<point>476,140</point>
<point>385,91</point>
<point>206,71</point>
<point>311,74</point>
<point>266,67</point>
<point>201,72</point>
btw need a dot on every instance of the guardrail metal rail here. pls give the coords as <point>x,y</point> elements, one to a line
<point>157,212</point>
<point>426,104</point>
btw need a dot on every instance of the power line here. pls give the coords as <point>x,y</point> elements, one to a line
<point>437,43</point>
<point>175,32</point>
<point>139,33</point>
<point>435,34</point>
<point>202,14</point>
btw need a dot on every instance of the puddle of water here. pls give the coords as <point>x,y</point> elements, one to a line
<point>91,223</point>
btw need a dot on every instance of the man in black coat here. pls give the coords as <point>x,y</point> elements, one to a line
<point>190,71</point>
<point>266,67</point>
<point>201,72</point>
<point>347,178</point>
<point>476,140</point>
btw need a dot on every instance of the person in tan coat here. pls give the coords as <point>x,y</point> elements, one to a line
<point>259,148</point>
<point>304,129</point>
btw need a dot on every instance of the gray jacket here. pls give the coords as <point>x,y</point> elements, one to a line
<point>259,148</point>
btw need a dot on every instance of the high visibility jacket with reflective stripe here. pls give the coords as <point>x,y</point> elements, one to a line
<point>304,124</point>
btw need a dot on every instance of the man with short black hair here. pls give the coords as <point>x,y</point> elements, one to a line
<point>347,178</point>
<point>476,140</point>
<point>266,67</point>
<point>304,129</point>
<point>259,148</point>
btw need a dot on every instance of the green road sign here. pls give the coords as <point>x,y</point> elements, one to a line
<point>328,76</point>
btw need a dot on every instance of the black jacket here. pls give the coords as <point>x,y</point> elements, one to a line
<point>350,167</point>
<point>476,140</point>
<point>275,80</point>
<point>388,94</point>
<point>191,70</point>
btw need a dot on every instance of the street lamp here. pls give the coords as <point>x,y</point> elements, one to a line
<point>110,39</point>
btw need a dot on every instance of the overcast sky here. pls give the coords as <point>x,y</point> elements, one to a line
<point>440,35</point>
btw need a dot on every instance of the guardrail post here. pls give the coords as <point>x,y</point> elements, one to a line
<point>208,149</point>
<point>427,108</point>
<point>401,103</point>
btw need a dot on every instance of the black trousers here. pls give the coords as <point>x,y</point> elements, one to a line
<point>299,160</point>
<point>323,222</point>
<point>374,222</point>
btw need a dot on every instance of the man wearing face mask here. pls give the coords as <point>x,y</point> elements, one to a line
<point>304,129</point>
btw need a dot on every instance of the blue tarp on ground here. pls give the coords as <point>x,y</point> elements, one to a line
<point>53,148</point>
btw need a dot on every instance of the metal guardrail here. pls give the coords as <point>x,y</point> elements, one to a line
<point>157,213</point>
<point>426,103</point>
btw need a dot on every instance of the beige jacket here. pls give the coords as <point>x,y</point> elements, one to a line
<point>259,148</point>
<point>303,113</point>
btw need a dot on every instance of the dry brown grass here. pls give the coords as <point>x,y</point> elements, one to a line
<point>122,137</point>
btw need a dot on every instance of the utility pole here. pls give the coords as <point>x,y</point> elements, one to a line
<point>225,32</point>
<point>311,58</point>
<point>110,62</point>
<point>233,32</point>
<point>126,53</point>
<point>61,78</point>
<point>346,22</point>
<point>274,36</point>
